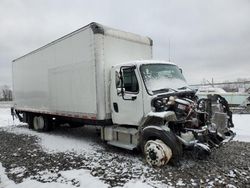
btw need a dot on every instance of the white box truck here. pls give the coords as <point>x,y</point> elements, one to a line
<point>101,76</point>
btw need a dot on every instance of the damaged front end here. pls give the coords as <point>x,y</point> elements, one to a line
<point>198,125</point>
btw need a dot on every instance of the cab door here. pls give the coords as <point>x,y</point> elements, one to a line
<point>126,95</point>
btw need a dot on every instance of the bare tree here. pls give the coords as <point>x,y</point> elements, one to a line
<point>6,93</point>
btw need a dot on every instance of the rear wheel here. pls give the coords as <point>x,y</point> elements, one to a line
<point>41,123</point>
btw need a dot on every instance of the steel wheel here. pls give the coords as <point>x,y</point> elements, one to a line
<point>157,153</point>
<point>41,123</point>
<point>35,123</point>
<point>38,123</point>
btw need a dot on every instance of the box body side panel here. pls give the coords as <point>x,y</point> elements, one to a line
<point>117,51</point>
<point>72,75</point>
<point>59,78</point>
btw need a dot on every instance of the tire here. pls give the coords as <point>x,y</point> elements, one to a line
<point>29,120</point>
<point>41,123</point>
<point>168,137</point>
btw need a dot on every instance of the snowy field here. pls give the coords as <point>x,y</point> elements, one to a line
<point>242,127</point>
<point>82,143</point>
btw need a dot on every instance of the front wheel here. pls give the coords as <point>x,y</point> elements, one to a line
<point>157,153</point>
<point>160,138</point>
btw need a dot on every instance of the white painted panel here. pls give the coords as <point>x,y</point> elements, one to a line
<point>72,88</point>
<point>100,69</point>
<point>31,73</point>
<point>117,51</point>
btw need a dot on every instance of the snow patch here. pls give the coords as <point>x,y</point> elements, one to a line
<point>242,127</point>
<point>160,114</point>
<point>137,184</point>
<point>6,118</point>
<point>53,143</point>
<point>161,83</point>
<point>4,180</point>
<point>73,178</point>
<point>50,142</point>
<point>180,183</point>
<point>17,170</point>
<point>67,179</point>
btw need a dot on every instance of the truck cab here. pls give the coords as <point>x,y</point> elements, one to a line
<point>153,109</point>
<point>135,84</point>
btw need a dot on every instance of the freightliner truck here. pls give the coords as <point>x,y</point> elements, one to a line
<point>101,76</point>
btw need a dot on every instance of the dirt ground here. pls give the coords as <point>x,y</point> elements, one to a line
<point>22,156</point>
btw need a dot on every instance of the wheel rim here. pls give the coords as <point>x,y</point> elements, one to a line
<point>157,153</point>
<point>38,122</point>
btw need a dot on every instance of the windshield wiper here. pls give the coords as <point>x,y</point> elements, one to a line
<point>163,90</point>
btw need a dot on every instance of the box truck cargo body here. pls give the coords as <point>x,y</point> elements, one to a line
<point>102,76</point>
<point>71,75</point>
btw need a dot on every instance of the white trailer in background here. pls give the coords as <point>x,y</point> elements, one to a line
<point>234,99</point>
<point>102,76</point>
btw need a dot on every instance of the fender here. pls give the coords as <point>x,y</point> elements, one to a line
<point>157,119</point>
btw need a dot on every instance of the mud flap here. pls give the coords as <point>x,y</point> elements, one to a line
<point>16,114</point>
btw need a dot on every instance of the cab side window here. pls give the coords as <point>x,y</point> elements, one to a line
<point>130,82</point>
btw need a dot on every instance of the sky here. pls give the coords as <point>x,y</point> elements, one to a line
<point>208,39</point>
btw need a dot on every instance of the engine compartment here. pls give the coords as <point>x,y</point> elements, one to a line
<point>198,124</point>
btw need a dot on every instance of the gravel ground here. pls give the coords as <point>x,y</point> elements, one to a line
<point>23,157</point>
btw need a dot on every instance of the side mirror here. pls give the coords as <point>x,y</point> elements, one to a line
<point>117,79</point>
<point>180,70</point>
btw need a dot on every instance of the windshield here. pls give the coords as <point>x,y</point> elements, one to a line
<point>160,78</point>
